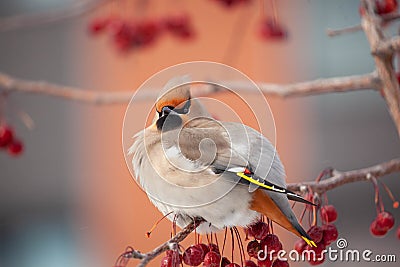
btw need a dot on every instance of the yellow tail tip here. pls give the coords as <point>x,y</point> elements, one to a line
<point>309,242</point>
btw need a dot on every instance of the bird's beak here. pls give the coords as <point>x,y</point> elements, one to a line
<point>166,111</point>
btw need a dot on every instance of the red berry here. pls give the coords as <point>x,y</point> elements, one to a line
<point>280,263</point>
<point>204,247</point>
<point>212,259</point>
<point>172,259</point>
<point>250,263</point>
<point>328,213</point>
<point>15,148</point>
<point>265,263</point>
<point>145,32</point>
<point>330,233</point>
<point>270,29</point>
<point>225,262</point>
<point>385,6</point>
<point>316,260</point>
<point>300,245</point>
<point>398,233</point>
<point>376,230</point>
<point>213,247</point>
<point>258,230</point>
<point>382,7</point>
<point>123,35</point>
<point>385,220</point>
<point>271,243</point>
<point>176,257</point>
<point>233,265</point>
<point>316,233</point>
<point>193,256</point>
<point>318,249</point>
<point>6,135</point>
<point>179,25</point>
<point>168,261</point>
<point>253,247</point>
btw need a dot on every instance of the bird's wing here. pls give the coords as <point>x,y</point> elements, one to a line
<point>239,152</point>
<point>243,155</point>
<point>264,169</point>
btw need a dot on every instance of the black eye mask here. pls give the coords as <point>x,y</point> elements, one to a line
<point>168,122</point>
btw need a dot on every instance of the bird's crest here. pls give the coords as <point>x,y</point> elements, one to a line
<point>174,93</point>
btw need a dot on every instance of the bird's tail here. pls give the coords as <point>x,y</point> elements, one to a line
<point>265,205</point>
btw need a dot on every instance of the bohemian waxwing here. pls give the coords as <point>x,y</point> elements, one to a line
<point>191,165</point>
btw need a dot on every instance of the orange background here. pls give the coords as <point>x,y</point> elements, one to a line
<point>70,200</point>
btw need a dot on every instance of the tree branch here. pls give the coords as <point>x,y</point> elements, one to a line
<point>368,81</point>
<point>342,178</point>
<point>387,47</point>
<point>383,62</point>
<point>179,237</point>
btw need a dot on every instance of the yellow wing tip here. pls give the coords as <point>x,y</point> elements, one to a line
<point>309,242</point>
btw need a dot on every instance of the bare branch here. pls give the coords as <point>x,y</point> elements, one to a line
<point>321,86</point>
<point>179,237</point>
<point>350,29</point>
<point>342,178</point>
<point>387,47</point>
<point>28,20</point>
<point>384,62</point>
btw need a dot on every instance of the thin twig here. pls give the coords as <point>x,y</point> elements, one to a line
<point>350,29</point>
<point>355,28</point>
<point>368,81</point>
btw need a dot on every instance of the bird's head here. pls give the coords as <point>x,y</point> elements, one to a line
<point>175,107</point>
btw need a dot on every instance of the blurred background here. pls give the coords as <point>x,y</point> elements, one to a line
<point>69,199</point>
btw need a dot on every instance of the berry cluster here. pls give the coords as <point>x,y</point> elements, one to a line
<point>384,220</point>
<point>9,141</point>
<point>382,7</point>
<point>127,34</point>
<point>194,255</point>
<point>322,235</point>
<point>264,242</point>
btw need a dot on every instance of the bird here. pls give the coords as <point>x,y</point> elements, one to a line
<point>193,166</point>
